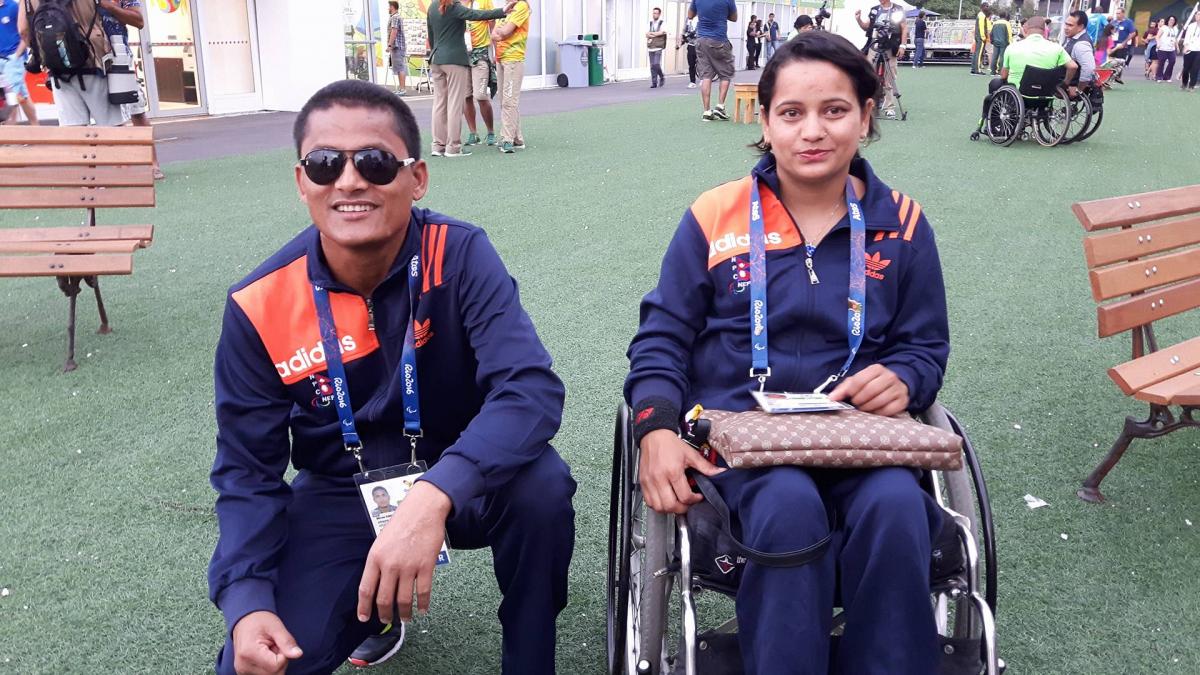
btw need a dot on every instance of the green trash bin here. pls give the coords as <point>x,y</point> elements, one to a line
<point>595,60</point>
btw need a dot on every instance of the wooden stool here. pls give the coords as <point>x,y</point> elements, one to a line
<point>745,94</point>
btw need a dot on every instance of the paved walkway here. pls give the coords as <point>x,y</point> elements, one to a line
<point>230,135</point>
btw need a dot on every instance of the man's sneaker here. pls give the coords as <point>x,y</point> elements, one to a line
<point>707,116</point>
<point>402,92</point>
<point>491,139</point>
<point>438,153</point>
<point>719,113</point>
<point>472,139</point>
<point>506,148</point>
<point>378,648</point>
<point>461,153</point>
<point>890,114</point>
<point>691,85</point>
<point>519,144</point>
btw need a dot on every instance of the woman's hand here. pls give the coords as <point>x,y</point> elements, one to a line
<point>661,472</point>
<point>874,389</point>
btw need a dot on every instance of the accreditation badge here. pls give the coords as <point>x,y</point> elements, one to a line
<point>382,490</point>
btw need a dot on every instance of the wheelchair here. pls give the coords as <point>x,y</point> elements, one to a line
<point>1041,110</point>
<point>650,554</point>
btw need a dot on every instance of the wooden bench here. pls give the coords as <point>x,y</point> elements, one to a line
<point>1146,270</point>
<point>77,168</point>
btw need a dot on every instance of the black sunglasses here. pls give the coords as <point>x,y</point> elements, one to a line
<point>380,167</point>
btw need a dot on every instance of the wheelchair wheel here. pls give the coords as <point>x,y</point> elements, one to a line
<point>1006,116</point>
<point>1052,123</point>
<point>639,545</point>
<point>1081,118</point>
<point>1097,118</point>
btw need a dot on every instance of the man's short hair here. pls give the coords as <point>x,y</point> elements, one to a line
<point>359,94</point>
<point>658,10</point>
<point>802,21</point>
<point>1080,17</point>
<point>394,5</point>
<point>921,14</point>
<point>771,15</point>
<point>1036,24</point>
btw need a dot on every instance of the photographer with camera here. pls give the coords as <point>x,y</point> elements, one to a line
<point>887,33</point>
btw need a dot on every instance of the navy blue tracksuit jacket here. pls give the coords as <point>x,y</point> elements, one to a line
<point>490,403</point>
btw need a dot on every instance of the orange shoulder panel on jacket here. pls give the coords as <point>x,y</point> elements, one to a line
<point>280,306</point>
<point>723,214</point>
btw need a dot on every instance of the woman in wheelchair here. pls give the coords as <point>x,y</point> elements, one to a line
<point>810,192</point>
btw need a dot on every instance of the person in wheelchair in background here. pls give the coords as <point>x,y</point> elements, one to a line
<point>1034,51</point>
<point>813,192</point>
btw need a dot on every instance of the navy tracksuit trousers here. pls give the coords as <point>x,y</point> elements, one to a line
<point>879,556</point>
<point>528,523</point>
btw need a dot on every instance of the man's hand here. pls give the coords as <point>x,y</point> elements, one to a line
<point>874,389</point>
<point>404,555</point>
<point>1073,92</point>
<point>858,13</point>
<point>900,53</point>
<point>661,471</point>
<point>262,646</point>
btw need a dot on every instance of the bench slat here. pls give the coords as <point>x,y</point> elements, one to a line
<point>99,246</point>
<point>143,233</point>
<point>59,265</point>
<point>1111,247</point>
<point>1185,386</point>
<point>83,198</point>
<point>77,176</point>
<point>1138,374</point>
<point>1144,274</point>
<point>1144,207</point>
<point>1139,310</point>
<point>59,135</point>
<point>74,155</point>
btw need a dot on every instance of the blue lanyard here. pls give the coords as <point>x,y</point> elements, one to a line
<point>337,369</point>
<point>856,312</point>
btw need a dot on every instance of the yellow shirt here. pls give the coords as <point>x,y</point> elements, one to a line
<point>480,33</point>
<point>512,50</point>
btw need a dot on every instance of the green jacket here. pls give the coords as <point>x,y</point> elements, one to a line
<point>446,31</point>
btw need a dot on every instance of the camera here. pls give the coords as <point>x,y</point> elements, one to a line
<point>822,14</point>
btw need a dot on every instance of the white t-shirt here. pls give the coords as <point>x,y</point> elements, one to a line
<point>1167,35</point>
<point>1191,38</point>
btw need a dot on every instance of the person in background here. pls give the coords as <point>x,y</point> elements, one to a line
<point>449,64</point>
<point>1001,36</point>
<point>771,30</point>
<point>1124,39</point>
<point>920,29</point>
<point>1150,41</point>
<point>803,24</point>
<point>1191,53</point>
<point>752,43</point>
<point>981,39</point>
<point>656,42</point>
<point>14,52</point>
<point>510,39</point>
<point>689,38</point>
<point>714,53</point>
<point>1079,48</point>
<point>483,76</point>
<point>1104,44</point>
<point>1168,33</point>
<point>397,49</point>
<point>117,15</point>
<point>83,98</point>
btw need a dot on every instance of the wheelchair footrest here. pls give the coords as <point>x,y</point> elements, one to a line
<point>961,656</point>
<point>716,654</point>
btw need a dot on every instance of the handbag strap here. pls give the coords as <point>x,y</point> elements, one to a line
<point>795,558</point>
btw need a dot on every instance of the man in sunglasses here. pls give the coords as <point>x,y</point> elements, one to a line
<point>382,339</point>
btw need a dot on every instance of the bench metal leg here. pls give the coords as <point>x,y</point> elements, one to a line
<point>94,282</point>
<point>70,364</point>
<point>1160,423</point>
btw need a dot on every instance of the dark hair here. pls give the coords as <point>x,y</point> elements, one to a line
<point>658,10</point>
<point>378,489</point>
<point>1172,18</point>
<point>802,21</point>
<point>359,94</point>
<point>753,18</point>
<point>1081,18</point>
<point>394,5</point>
<point>820,46</point>
<point>921,14</point>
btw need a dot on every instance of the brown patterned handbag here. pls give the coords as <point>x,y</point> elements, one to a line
<point>844,439</point>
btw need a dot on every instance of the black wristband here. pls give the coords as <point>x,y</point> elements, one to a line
<point>652,414</point>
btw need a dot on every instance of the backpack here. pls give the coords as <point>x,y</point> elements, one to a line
<point>58,42</point>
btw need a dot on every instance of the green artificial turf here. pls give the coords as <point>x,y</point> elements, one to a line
<point>105,510</point>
